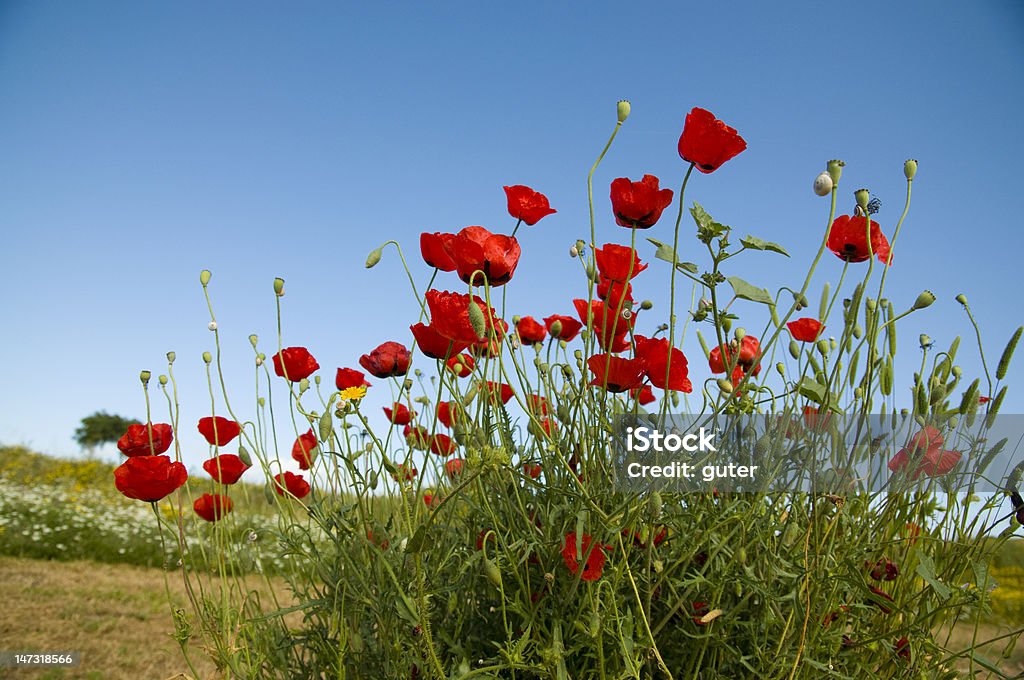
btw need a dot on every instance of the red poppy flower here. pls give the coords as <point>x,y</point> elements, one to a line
<point>568,328</point>
<point>926,439</point>
<point>806,329</point>
<point>527,205</point>
<point>136,442</point>
<point>662,362</point>
<point>537,404</point>
<point>454,467</point>
<point>939,462</point>
<point>610,329</point>
<point>532,470</point>
<point>297,362</point>
<point>485,535</point>
<point>616,374</point>
<point>617,295</point>
<point>294,484</point>
<point>461,365</point>
<point>902,648</point>
<point>218,431</point>
<point>212,506</point>
<point>442,445</point>
<point>814,419</point>
<point>700,610</point>
<point>378,538</point>
<point>477,249</point>
<point>449,317</point>
<point>349,377</point>
<point>304,450</point>
<point>659,536</point>
<point>417,437</point>
<point>614,262</point>
<point>643,395</point>
<point>531,331</point>
<point>149,478</point>
<point>493,390</point>
<point>447,412</point>
<point>708,142</point>
<point>925,447</point>
<point>881,594</point>
<point>748,350</point>
<point>639,204</point>
<point>399,414</point>
<point>848,239</point>
<point>432,247</point>
<point>431,500</point>
<point>226,468</point>
<point>433,344</point>
<point>408,473</point>
<point>883,570</point>
<point>591,553</point>
<point>390,359</point>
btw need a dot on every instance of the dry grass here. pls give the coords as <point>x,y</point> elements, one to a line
<point>117,616</point>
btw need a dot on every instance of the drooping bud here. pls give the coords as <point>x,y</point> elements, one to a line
<point>823,184</point>
<point>279,286</point>
<point>374,257</point>
<point>725,385</point>
<point>204,277</point>
<point>794,349</point>
<point>303,385</point>
<point>781,369</point>
<point>476,319</point>
<point>925,299</point>
<point>144,377</point>
<point>646,305</point>
<point>835,170</point>
<point>962,299</point>
<point>622,109</point>
<point>910,169</point>
<point>207,357</point>
<point>492,572</point>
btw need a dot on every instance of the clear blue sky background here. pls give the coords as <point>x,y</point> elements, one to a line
<point>141,142</point>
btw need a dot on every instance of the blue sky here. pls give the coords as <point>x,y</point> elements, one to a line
<point>143,142</point>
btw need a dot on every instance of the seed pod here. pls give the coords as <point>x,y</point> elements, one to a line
<point>279,286</point>
<point>207,357</point>
<point>162,378</point>
<point>1004,361</point>
<point>204,277</point>
<point>835,170</point>
<point>622,111</point>
<point>910,169</point>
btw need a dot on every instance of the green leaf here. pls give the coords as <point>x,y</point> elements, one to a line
<point>926,570</point>
<point>812,389</point>
<point>666,253</point>
<point>747,291</point>
<point>418,542</point>
<point>406,609</point>
<point>756,243</point>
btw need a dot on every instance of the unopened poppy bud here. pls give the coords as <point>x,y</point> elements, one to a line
<point>316,379</point>
<point>253,339</point>
<point>556,328</point>
<point>739,334</point>
<point>573,251</point>
<point>516,319</point>
<point>957,372</point>
<point>243,454</point>
<point>781,369</point>
<point>303,385</point>
<point>262,402</point>
<point>279,286</point>
<point>794,349</point>
<point>492,572</point>
<point>823,184</point>
<point>925,341</point>
<point>962,299</point>
<point>871,305</point>
<point>646,305</point>
<point>858,392</point>
<point>862,196</point>
<point>835,170</point>
<point>925,299</point>
<point>374,257</point>
<point>476,319</point>
<point>725,385</point>
<point>204,277</point>
<point>674,398</point>
<point>822,346</point>
<point>591,272</point>
<point>622,109</point>
<point>578,355</point>
<point>163,379</point>
<point>212,325</point>
<point>832,344</point>
<point>910,168</point>
<point>171,356</point>
<point>858,331</point>
<point>207,357</point>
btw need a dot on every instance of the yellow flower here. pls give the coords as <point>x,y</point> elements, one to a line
<point>353,393</point>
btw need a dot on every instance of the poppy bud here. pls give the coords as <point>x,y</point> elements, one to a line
<point>726,324</point>
<point>725,385</point>
<point>871,305</point>
<point>832,344</point>
<point>858,331</point>
<point>171,356</point>
<point>262,402</point>
<point>910,169</point>
<point>822,346</point>
<point>781,369</point>
<point>862,196</point>
<point>144,377</point>
<point>207,357</point>
<point>279,286</point>
<point>858,392</point>
<point>794,349</point>
<point>957,372</point>
<point>925,299</point>
<point>823,184</point>
<point>835,170</point>
<point>303,385</point>
<point>622,109</point>
<point>204,277</point>
<point>253,339</point>
<point>212,325</point>
<point>476,319</point>
<point>492,572</point>
<point>739,334</point>
<point>162,379</point>
<point>374,257</point>
<point>646,305</point>
<point>243,455</point>
<point>555,330</point>
<point>962,299</point>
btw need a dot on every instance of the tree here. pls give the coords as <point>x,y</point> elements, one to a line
<point>101,428</point>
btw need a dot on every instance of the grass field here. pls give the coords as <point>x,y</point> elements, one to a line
<point>80,570</point>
